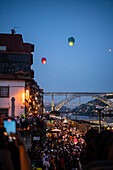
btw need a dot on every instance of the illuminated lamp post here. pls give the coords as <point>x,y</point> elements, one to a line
<point>43,60</point>
<point>26,100</point>
<point>27,94</point>
<point>99,117</point>
<point>71,41</point>
<point>75,118</point>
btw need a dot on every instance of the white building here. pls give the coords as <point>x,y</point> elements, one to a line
<point>17,78</point>
<point>12,89</point>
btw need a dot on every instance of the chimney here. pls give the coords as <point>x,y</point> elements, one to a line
<point>12,31</point>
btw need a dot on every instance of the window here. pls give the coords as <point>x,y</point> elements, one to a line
<point>4,91</point>
<point>4,111</point>
<point>14,58</point>
<point>18,58</point>
<point>3,48</point>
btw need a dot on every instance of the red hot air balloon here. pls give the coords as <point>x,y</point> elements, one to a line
<point>43,60</point>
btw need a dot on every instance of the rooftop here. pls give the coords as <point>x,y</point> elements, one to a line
<point>13,77</point>
<point>14,43</point>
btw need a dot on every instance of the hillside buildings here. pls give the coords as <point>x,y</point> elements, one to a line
<point>19,92</point>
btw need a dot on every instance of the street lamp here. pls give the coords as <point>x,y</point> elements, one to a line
<point>75,118</point>
<point>99,117</point>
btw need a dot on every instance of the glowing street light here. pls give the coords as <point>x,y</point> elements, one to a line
<point>71,41</point>
<point>99,109</point>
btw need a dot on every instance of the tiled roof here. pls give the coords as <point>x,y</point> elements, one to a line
<point>13,77</point>
<point>20,72</point>
<point>14,43</point>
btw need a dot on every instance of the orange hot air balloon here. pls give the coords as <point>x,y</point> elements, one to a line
<point>43,60</point>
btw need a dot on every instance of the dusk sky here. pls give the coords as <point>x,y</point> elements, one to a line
<point>85,67</point>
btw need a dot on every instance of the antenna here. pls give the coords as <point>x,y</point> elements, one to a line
<point>15,28</point>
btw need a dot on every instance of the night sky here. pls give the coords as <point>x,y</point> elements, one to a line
<point>85,67</point>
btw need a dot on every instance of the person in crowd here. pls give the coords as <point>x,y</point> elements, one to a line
<point>18,122</point>
<point>62,163</point>
<point>85,155</point>
<point>25,162</point>
<point>52,163</point>
<point>13,155</point>
<point>46,164</point>
<point>22,121</point>
<point>75,164</point>
<point>99,151</point>
<point>30,121</point>
<point>39,162</point>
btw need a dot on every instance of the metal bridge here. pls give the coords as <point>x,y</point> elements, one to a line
<point>73,95</point>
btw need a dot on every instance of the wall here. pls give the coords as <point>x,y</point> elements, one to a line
<point>16,90</point>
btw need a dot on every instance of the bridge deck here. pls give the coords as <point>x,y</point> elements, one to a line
<point>72,93</point>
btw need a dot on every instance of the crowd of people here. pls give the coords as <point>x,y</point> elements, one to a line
<point>61,149</point>
<point>70,149</point>
<point>64,148</point>
<point>31,121</point>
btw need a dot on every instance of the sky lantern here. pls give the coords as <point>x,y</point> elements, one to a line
<point>109,49</point>
<point>71,41</point>
<point>43,60</point>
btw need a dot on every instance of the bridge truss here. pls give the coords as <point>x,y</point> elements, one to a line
<point>73,95</point>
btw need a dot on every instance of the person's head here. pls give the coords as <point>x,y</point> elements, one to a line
<point>104,143</point>
<point>51,157</point>
<point>46,159</point>
<point>90,135</point>
<point>101,148</point>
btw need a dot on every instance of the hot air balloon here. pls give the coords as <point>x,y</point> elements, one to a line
<point>43,60</point>
<point>71,41</point>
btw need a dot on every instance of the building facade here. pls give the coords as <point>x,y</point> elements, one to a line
<point>19,93</point>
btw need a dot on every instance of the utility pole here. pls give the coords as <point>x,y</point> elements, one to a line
<point>99,117</point>
<point>52,103</point>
